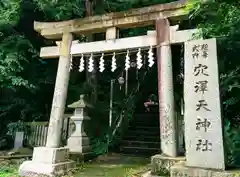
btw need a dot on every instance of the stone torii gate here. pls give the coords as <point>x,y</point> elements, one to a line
<point>53,159</point>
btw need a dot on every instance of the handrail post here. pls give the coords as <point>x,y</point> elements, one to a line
<point>111,103</point>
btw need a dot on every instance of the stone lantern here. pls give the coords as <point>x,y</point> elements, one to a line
<point>78,142</point>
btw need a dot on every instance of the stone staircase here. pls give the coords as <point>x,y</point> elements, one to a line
<point>143,136</point>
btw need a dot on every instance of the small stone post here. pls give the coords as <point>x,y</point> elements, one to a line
<point>78,142</point>
<point>19,138</point>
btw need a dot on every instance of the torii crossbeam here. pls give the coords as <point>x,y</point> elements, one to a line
<point>176,37</point>
<point>127,19</point>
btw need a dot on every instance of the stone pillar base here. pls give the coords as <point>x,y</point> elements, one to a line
<point>48,162</point>
<point>180,170</point>
<point>161,163</point>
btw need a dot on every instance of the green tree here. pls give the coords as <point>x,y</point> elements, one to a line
<point>21,71</point>
<point>220,19</point>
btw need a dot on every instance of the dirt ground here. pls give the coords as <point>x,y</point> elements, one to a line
<point>111,165</point>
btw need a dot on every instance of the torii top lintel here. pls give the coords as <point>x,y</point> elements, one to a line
<point>126,19</point>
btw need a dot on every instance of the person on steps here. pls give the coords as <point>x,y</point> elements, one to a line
<point>152,101</point>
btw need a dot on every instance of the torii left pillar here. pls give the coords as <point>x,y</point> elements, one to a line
<point>53,160</point>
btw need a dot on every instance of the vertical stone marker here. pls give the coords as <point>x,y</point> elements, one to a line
<point>18,142</point>
<point>203,124</point>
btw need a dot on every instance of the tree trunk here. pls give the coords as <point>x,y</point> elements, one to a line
<point>91,77</point>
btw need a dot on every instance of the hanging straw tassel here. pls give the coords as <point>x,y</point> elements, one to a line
<point>90,64</point>
<point>150,57</point>
<point>114,65</point>
<point>81,64</point>
<point>139,59</point>
<point>127,61</point>
<point>101,64</point>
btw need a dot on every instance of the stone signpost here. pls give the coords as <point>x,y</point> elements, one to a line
<point>203,123</point>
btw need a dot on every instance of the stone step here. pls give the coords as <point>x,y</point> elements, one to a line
<point>146,123</point>
<point>144,128</point>
<point>143,144</point>
<point>143,138</point>
<point>147,115</point>
<point>147,119</point>
<point>143,133</point>
<point>139,150</point>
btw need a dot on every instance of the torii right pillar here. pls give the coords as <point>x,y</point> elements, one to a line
<point>168,129</point>
<point>165,89</point>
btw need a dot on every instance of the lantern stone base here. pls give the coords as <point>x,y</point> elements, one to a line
<point>161,163</point>
<point>79,148</point>
<point>180,169</point>
<point>47,162</point>
<point>81,157</point>
<point>79,144</point>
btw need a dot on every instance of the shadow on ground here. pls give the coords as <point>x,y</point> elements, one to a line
<point>114,165</point>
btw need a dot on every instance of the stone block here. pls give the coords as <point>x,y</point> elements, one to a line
<point>32,169</point>
<point>181,170</point>
<point>50,155</point>
<point>48,162</point>
<point>161,163</point>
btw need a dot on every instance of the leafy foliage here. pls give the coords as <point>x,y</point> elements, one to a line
<point>20,66</point>
<point>8,170</point>
<point>18,127</point>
